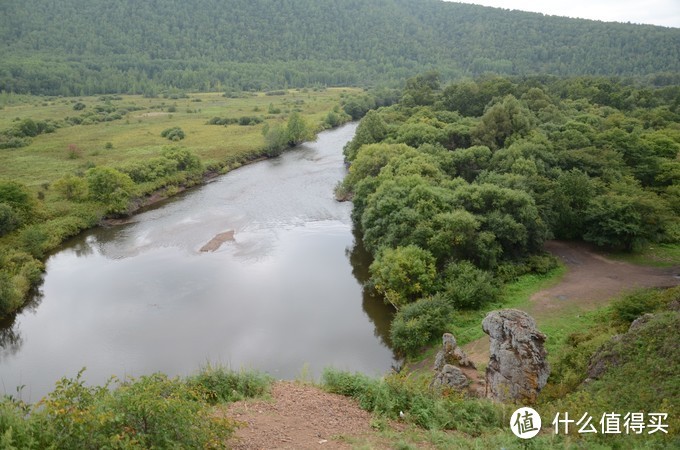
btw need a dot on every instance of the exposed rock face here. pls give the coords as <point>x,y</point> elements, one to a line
<point>450,376</point>
<point>517,368</point>
<point>447,363</point>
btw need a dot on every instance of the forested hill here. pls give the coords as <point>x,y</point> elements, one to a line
<point>93,46</point>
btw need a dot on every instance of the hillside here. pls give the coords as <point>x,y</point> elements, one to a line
<point>80,47</point>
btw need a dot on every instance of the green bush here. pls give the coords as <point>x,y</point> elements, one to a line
<point>637,303</point>
<point>223,385</point>
<point>404,274</point>
<point>388,397</point>
<point>469,287</point>
<point>9,220</point>
<point>34,240</point>
<point>110,187</point>
<point>417,324</point>
<point>71,187</point>
<point>186,160</point>
<point>174,134</point>
<point>148,412</point>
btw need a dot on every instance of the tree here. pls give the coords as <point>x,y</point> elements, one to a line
<point>297,129</point>
<point>468,287</point>
<point>625,216</point>
<point>371,129</point>
<point>111,187</point>
<point>404,274</point>
<point>503,120</point>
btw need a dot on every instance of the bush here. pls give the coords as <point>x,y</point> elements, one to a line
<point>174,134</point>
<point>9,220</point>
<point>35,240</point>
<point>185,159</point>
<point>222,385</point>
<point>637,303</point>
<point>419,323</point>
<point>390,396</point>
<point>71,187</point>
<point>111,187</point>
<point>403,274</point>
<point>466,286</point>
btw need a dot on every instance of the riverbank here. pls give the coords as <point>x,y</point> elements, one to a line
<point>124,133</point>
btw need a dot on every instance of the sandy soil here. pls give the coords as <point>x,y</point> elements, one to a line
<point>298,416</point>
<point>219,239</point>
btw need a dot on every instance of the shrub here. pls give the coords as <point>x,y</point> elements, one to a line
<point>404,274</point>
<point>71,187</point>
<point>185,159</point>
<point>466,286</point>
<point>9,220</point>
<point>637,303</point>
<point>111,187</point>
<point>419,323</point>
<point>222,385</point>
<point>148,412</point>
<point>79,106</point>
<point>174,134</point>
<point>390,396</point>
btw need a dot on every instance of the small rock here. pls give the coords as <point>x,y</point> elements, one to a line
<point>451,376</point>
<point>637,323</point>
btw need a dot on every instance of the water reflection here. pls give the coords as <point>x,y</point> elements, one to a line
<point>141,297</point>
<point>374,306</point>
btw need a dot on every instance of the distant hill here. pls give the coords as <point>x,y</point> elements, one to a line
<point>97,46</point>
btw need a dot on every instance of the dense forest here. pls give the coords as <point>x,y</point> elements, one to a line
<point>456,188</point>
<point>79,47</point>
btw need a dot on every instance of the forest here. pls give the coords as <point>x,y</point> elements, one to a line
<point>456,188</point>
<point>79,47</point>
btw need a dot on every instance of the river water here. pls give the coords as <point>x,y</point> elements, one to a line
<point>285,296</point>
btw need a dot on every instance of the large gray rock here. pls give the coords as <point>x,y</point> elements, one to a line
<point>517,368</point>
<point>451,377</point>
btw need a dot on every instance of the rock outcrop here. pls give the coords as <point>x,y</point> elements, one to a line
<point>517,368</point>
<point>447,365</point>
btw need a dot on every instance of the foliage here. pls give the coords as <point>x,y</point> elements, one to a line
<point>392,395</point>
<point>633,305</point>
<point>403,274</point>
<point>71,187</point>
<point>133,49</point>
<point>222,385</point>
<point>174,134</point>
<point>419,323</point>
<point>149,412</point>
<point>468,287</point>
<point>111,187</point>
<point>297,130</point>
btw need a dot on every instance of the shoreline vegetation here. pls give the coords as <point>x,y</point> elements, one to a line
<point>70,164</point>
<point>456,189</point>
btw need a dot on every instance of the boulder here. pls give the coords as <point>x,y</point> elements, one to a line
<point>517,368</point>
<point>451,377</point>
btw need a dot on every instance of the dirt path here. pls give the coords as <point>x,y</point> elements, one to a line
<point>591,281</point>
<point>298,416</point>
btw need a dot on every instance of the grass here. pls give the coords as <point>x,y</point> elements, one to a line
<point>136,136</point>
<point>466,326</point>
<point>656,255</point>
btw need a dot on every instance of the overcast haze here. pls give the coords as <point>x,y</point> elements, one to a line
<point>656,12</point>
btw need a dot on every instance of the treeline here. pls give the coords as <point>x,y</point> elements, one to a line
<point>457,187</point>
<point>78,47</point>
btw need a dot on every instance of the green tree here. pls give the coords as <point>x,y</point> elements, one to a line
<point>110,187</point>
<point>403,274</point>
<point>468,287</point>
<point>297,129</point>
<point>502,121</point>
<point>371,129</point>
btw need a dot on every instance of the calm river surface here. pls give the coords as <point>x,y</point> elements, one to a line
<point>284,297</point>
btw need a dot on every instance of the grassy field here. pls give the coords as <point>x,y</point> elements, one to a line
<point>137,134</point>
<point>72,161</point>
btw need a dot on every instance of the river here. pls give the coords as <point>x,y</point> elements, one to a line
<point>285,296</point>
